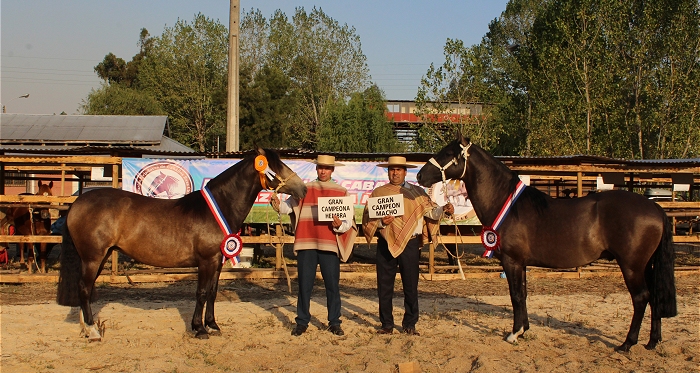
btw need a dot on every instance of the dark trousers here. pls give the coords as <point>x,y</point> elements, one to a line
<point>407,264</point>
<point>307,260</point>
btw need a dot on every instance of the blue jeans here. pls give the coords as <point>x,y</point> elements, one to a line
<point>307,261</point>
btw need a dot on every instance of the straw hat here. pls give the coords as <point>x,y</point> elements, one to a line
<point>396,161</point>
<point>326,160</point>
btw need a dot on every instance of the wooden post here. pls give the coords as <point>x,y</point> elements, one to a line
<point>579,184</point>
<point>279,248</point>
<point>63,179</point>
<point>431,260</point>
<point>2,178</point>
<point>115,254</point>
<point>232,143</point>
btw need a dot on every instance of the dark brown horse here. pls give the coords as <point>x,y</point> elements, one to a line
<point>32,222</point>
<point>163,232</point>
<point>566,233</point>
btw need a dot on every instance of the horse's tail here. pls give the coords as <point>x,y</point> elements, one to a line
<point>70,273</point>
<point>663,286</point>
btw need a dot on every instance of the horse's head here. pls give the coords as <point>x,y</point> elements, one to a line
<point>450,161</point>
<point>45,189</point>
<point>284,179</point>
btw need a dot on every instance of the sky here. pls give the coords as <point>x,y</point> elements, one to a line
<point>49,48</point>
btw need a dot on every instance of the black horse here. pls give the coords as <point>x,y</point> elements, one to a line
<point>164,232</point>
<point>566,233</point>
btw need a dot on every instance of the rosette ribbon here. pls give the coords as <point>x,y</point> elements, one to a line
<point>264,170</point>
<point>232,245</point>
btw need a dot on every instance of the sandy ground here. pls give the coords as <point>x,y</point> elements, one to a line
<point>574,326</point>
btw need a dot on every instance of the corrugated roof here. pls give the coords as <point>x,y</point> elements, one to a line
<point>84,129</point>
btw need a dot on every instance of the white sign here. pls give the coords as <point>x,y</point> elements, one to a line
<point>341,206</point>
<point>380,207</point>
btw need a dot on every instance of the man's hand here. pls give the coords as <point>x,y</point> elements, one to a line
<point>387,220</point>
<point>336,222</point>
<point>448,209</point>
<point>275,202</point>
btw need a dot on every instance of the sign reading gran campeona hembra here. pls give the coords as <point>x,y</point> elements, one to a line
<point>340,206</point>
<point>387,205</point>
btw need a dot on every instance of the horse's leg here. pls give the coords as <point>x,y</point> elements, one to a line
<point>640,297</point>
<point>42,257</point>
<point>515,273</point>
<point>87,283</point>
<point>655,334</point>
<point>20,247</point>
<point>209,319</point>
<point>204,276</point>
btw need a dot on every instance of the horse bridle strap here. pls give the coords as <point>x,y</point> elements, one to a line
<point>464,154</point>
<point>232,245</point>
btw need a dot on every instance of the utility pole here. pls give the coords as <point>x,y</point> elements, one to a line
<point>232,144</point>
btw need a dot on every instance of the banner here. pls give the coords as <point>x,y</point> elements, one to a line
<point>173,178</point>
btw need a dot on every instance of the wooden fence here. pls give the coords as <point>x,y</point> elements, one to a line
<point>74,169</point>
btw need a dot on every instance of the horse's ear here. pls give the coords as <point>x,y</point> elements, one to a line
<point>39,183</point>
<point>259,150</point>
<point>462,140</point>
<point>50,184</point>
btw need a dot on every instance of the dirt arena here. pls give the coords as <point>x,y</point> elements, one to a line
<point>575,323</point>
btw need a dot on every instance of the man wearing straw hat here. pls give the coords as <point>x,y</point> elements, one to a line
<point>399,243</point>
<point>319,243</point>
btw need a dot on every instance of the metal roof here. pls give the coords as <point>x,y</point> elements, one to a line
<point>85,129</point>
<point>85,133</point>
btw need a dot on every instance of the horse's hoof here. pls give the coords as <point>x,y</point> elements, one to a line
<point>202,334</point>
<point>214,332</point>
<point>625,347</point>
<point>93,335</point>
<point>513,337</point>
<point>651,345</point>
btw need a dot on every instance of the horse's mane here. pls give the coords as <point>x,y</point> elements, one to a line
<point>532,195</point>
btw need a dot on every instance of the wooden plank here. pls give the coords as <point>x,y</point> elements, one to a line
<point>14,278</point>
<point>36,199</point>
<point>66,159</point>
<point>27,239</point>
<point>52,169</point>
<point>680,205</point>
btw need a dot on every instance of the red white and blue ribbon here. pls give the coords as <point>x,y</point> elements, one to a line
<point>232,245</point>
<point>489,237</point>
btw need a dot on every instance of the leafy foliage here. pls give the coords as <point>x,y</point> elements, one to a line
<point>185,70</point>
<point>609,78</point>
<point>358,125</point>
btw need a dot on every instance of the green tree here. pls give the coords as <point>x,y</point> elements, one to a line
<point>116,99</point>
<point>113,69</point>
<point>323,60</point>
<point>358,125</point>
<point>446,93</point>
<point>266,105</point>
<point>185,71</point>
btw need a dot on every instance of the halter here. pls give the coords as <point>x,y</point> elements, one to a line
<point>265,172</point>
<point>464,154</point>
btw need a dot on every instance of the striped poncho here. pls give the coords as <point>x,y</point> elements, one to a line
<point>398,233</point>
<point>312,234</point>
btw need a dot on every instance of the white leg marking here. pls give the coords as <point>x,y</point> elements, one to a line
<point>512,338</point>
<point>94,334</point>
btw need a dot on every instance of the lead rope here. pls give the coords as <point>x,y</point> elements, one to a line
<point>32,230</point>
<point>284,262</point>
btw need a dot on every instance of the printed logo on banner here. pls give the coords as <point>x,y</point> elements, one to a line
<point>457,195</point>
<point>163,179</point>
